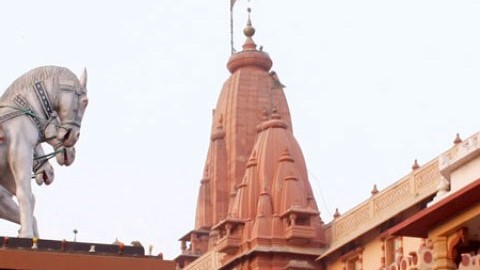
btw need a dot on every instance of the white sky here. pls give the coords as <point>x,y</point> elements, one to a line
<point>371,85</point>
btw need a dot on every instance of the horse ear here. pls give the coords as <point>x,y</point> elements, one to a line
<point>83,78</point>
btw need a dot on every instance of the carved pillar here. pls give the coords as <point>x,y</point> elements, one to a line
<point>293,217</point>
<point>183,246</point>
<point>193,243</point>
<point>399,250</point>
<point>383,258</point>
<point>228,229</point>
<point>360,261</point>
<point>213,239</point>
<point>440,254</point>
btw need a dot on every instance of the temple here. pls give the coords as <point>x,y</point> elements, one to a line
<point>255,204</point>
<point>256,209</point>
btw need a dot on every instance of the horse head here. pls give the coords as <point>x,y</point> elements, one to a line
<point>72,102</point>
<point>64,155</point>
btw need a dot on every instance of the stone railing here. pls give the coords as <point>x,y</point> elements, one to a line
<point>413,188</point>
<point>209,261</point>
<point>458,155</point>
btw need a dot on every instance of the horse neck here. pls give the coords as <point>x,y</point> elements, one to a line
<point>27,92</point>
<point>12,92</point>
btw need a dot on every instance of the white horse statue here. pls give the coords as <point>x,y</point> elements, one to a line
<point>45,104</point>
<point>43,173</point>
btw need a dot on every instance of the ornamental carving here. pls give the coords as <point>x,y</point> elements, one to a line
<point>427,178</point>
<point>392,197</point>
<point>208,261</point>
<point>351,222</point>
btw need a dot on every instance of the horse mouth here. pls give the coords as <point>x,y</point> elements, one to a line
<point>66,157</point>
<point>47,176</point>
<point>70,137</point>
<point>46,179</point>
<point>66,161</point>
<point>66,137</point>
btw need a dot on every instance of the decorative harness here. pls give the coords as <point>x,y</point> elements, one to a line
<point>42,96</point>
<point>24,108</point>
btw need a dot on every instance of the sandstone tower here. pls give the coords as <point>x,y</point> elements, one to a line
<point>255,208</point>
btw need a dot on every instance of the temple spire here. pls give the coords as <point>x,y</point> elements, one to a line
<point>258,193</point>
<point>249,31</point>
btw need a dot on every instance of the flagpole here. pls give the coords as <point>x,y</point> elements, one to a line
<point>232,2</point>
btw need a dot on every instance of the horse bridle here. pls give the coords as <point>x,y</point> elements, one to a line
<point>42,96</point>
<point>77,94</point>
<point>50,114</point>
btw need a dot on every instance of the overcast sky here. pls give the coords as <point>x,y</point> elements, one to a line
<point>371,85</point>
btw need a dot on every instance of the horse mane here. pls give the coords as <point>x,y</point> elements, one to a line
<point>41,74</point>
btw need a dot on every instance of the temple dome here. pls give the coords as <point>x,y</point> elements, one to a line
<point>250,56</point>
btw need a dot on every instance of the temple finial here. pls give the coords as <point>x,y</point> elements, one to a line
<point>249,31</point>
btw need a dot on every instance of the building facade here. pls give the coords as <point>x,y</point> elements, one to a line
<point>430,219</point>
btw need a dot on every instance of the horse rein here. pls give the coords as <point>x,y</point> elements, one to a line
<point>23,108</point>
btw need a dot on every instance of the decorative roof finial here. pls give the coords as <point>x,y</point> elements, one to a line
<point>374,190</point>
<point>249,31</point>
<point>415,165</point>
<point>75,231</point>
<point>337,214</point>
<point>457,139</point>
